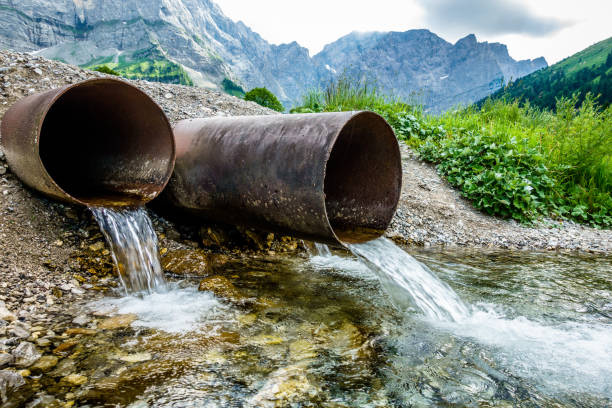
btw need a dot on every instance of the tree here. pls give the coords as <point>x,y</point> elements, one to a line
<point>265,98</point>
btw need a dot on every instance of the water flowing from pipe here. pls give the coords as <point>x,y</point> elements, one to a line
<point>133,244</point>
<point>408,282</point>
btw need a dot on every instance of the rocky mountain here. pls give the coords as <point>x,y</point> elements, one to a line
<point>192,41</point>
<point>421,66</point>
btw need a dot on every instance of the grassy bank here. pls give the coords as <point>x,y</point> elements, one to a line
<point>510,161</point>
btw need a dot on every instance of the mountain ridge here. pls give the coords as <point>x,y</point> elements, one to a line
<point>197,37</point>
<point>588,70</point>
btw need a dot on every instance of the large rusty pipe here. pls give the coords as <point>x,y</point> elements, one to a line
<point>329,177</point>
<point>98,142</point>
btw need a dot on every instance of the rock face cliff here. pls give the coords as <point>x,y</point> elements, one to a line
<point>420,66</point>
<point>196,35</point>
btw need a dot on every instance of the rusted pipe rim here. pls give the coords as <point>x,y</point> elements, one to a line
<point>137,118</point>
<point>363,178</point>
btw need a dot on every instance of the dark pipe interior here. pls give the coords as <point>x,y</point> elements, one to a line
<point>363,179</point>
<point>107,143</point>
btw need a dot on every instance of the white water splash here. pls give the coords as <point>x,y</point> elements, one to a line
<point>322,250</point>
<point>133,243</point>
<point>410,283</point>
<point>177,310</point>
<point>568,356</point>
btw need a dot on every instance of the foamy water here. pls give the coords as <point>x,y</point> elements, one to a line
<point>563,357</point>
<point>176,310</point>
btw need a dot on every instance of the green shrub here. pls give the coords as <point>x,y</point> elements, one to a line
<point>501,179</point>
<point>265,98</point>
<point>106,70</point>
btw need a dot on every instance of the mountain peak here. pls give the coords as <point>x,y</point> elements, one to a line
<point>467,41</point>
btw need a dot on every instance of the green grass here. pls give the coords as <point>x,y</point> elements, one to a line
<point>510,160</point>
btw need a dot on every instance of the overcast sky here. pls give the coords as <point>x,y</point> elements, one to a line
<point>554,29</point>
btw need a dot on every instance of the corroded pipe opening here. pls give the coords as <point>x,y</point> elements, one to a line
<point>99,142</point>
<point>362,179</point>
<point>331,177</point>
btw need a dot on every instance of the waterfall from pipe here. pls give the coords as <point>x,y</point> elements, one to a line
<point>133,244</point>
<point>408,282</point>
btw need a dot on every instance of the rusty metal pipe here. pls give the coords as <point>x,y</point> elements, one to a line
<point>330,177</point>
<point>98,142</point>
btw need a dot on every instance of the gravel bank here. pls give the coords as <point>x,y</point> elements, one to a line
<point>431,213</point>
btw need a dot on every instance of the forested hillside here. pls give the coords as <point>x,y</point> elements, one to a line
<point>589,70</point>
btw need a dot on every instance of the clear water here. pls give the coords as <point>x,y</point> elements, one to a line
<point>134,248</point>
<point>410,283</point>
<point>323,331</point>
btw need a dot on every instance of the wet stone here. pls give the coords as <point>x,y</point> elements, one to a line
<point>44,364</point>
<point>221,287</point>
<point>10,381</point>
<point>26,354</point>
<point>117,322</point>
<point>186,262</point>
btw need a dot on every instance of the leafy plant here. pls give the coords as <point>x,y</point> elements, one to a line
<point>501,179</point>
<point>265,98</point>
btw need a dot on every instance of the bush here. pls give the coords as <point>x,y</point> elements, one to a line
<point>265,98</point>
<point>499,178</point>
<point>106,70</point>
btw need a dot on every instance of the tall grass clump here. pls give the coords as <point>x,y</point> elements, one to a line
<point>348,93</point>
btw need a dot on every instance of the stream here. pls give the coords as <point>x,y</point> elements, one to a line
<point>380,328</point>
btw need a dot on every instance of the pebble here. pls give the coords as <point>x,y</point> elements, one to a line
<point>26,354</point>
<point>117,322</point>
<point>44,364</point>
<point>75,379</point>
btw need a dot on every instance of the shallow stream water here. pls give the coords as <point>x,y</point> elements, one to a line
<point>324,331</point>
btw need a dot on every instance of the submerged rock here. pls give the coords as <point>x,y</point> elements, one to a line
<point>192,262</point>
<point>118,322</point>
<point>221,287</point>
<point>44,364</point>
<point>75,379</point>
<point>284,387</point>
<point>26,354</point>
<point>9,382</point>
